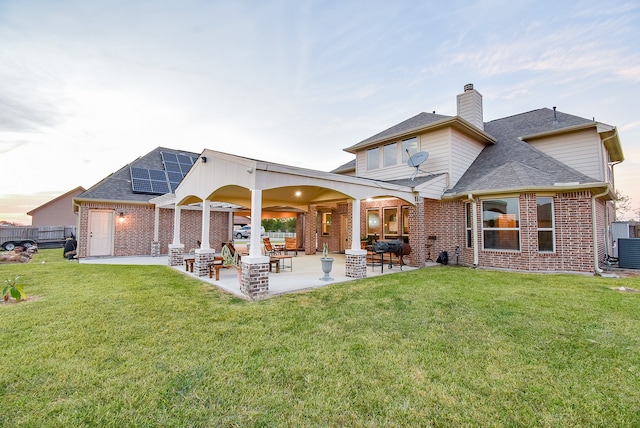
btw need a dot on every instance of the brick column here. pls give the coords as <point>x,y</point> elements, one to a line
<point>202,261</point>
<point>255,280</point>
<point>310,230</point>
<point>155,249</point>
<point>356,263</point>
<point>175,254</point>
<point>417,238</point>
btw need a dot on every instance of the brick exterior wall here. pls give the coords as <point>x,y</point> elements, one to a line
<point>443,219</point>
<point>417,235</point>
<point>572,227</point>
<point>134,236</point>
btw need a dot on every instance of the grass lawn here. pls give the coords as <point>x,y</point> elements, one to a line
<point>105,345</point>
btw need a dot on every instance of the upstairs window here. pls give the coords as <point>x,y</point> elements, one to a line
<point>409,145</point>
<point>501,224</point>
<point>546,239</point>
<point>373,158</point>
<point>390,154</point>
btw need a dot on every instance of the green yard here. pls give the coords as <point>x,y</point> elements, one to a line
<point>105,345</point>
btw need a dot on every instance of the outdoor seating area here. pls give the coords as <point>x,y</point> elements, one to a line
<point>279,262</point>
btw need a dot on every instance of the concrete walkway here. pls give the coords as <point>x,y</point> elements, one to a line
<point>305,273</point>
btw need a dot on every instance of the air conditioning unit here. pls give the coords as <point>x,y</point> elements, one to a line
<point>619,229</point>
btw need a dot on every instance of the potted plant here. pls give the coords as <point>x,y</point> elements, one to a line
<point>229,259</point>
<point>327,263</point>
<point>14,290</point>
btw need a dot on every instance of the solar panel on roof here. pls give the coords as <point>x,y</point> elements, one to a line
<point>174,177</point>
<point>185,159</point>
<point>142,173</point>
<point>141,186</point>
<point>156,174</point>
<point>169,157</point>
<point>160,187</point>
<point>172,166</point>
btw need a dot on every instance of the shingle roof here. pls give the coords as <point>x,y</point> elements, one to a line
<point>349,166</point>
<point>513,163</point>
<point>117,186</point>
<point>414,123</point>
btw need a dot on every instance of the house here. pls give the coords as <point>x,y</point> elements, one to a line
<point>58,211</point>
<point>527,192</point>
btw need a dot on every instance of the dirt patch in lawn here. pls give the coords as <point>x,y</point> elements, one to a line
<point>9,302</point>
<point>625,289</point>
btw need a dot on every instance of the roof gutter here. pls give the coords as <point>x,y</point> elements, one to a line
<point>558,187</point>
<point>594,228</point>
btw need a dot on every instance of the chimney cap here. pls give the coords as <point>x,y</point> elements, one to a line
<point>468,87</point>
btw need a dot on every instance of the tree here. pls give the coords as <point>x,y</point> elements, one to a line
<point>621,204</point>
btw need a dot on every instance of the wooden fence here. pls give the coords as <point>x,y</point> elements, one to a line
<point>36,233</point>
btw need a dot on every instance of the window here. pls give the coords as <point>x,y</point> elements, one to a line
<point>373,222</point>
<point>501,224</point>
<point>546,240</point>
<point>468,224</point>
<point>405,220</point>
<point>390,222</point>
<point>409,145</point>
<point>390,154</point>
<point>326,223</point>
<point>373,158</point>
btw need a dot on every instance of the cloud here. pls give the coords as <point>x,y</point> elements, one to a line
<point>22,116</point>
<point>564,46</point>
<point>9,146</point>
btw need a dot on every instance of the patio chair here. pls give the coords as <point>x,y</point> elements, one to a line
<point>268,247</point>
<point>290,244</point>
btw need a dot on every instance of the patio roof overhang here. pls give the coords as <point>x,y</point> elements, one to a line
<point>228,182</point>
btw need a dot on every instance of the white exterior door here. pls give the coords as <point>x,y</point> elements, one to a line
<point>101,225</point>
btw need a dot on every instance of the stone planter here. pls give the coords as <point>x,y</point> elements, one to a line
<point>327,265</point>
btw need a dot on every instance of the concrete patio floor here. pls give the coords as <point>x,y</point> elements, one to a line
<point>305,273</point>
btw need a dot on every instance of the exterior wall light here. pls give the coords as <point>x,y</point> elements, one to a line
<point>121,217</point>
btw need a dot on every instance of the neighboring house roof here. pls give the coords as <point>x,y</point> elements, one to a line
<point>513,163</point>
<point>117,186</point>
<point>77,190</point>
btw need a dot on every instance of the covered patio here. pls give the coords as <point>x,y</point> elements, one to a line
<point>304,275</point>
<point>221,181</point>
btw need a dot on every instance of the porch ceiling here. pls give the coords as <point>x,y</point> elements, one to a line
<point>296,197</point>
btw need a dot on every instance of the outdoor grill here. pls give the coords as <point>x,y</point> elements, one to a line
<point>392,247</point>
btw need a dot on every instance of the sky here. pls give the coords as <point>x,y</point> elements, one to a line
<point>87,87</point>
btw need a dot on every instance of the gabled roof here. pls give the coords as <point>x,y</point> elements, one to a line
<point>421,123</point>
<point>513,163</point>
<point>77,190</point>
<point>117,186</point>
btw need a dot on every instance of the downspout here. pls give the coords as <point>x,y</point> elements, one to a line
<point>594,229</point>
<point>474,229</point>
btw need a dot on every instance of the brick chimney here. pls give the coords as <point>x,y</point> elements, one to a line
<point>470,106</point>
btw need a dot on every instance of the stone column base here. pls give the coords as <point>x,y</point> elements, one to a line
<point>356,263</point>
<point>176,252</point>
<point>255,280</point>
<point>203,258</point>
<point>155,249</point>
